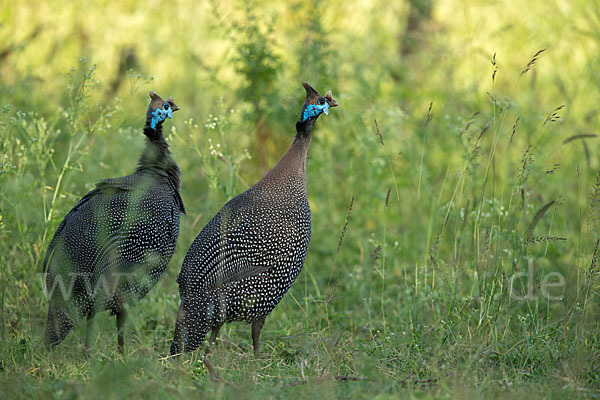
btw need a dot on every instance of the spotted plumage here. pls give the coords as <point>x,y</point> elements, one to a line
<point>246,258</point>
<point>115,244</point>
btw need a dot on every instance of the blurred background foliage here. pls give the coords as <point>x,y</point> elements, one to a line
<point>483,160</point>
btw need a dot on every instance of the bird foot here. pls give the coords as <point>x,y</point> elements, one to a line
<point>213,374</point>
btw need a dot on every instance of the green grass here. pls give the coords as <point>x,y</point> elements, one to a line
<point>467,265</point>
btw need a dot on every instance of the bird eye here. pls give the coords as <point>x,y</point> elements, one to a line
<point>321,101</point>
<point>166,106</point>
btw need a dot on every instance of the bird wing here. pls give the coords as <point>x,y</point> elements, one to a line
<point>139,236</point>
<point>64,222</point>
<point>230,248</point>
<point>124,183</point>
<point>227,263</point>
<point>106,186</point>
<point>178,199</point>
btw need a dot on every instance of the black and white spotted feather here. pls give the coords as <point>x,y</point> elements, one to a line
<point>115,244</point>
<point>247,257</point>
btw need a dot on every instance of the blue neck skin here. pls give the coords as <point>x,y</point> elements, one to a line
<point>312,110</point>
<point>159,115</point>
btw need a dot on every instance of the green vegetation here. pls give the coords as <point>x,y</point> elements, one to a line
<point>469,265</point>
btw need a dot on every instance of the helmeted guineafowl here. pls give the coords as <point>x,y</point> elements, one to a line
<point>247,257</point>
<point>115,244</point>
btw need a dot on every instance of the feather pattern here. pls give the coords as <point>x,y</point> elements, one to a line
<point>116,243</point>
<point>247,257</point>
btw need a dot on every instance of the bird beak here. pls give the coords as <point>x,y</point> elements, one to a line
<point>174,106</point>
<point>330,100</point>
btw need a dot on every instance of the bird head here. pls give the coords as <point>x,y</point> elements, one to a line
<point>159,110</point>
<point>315,104</point>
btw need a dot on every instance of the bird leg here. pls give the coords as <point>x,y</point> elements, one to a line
<point>213,334</point>
<point>121,317</point>
<point>213,374</point>
<point>256,327</point>
<point>88,334</point>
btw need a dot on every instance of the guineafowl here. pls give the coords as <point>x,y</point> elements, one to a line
<point>115,244</point>
<point>246,258</point>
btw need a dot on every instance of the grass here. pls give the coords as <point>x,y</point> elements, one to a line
<point>455,239</point>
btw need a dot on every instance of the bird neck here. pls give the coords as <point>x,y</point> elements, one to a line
<point>291,167</point>
<point>304,128</point>
<point>156,155</point>
<point>298,150</point>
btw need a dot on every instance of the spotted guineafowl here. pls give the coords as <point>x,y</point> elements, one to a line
<point>246,258</point>
<point>115,244</point>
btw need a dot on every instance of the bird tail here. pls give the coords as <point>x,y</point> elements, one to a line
<point>190,330</point>
<point>58,326</point>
